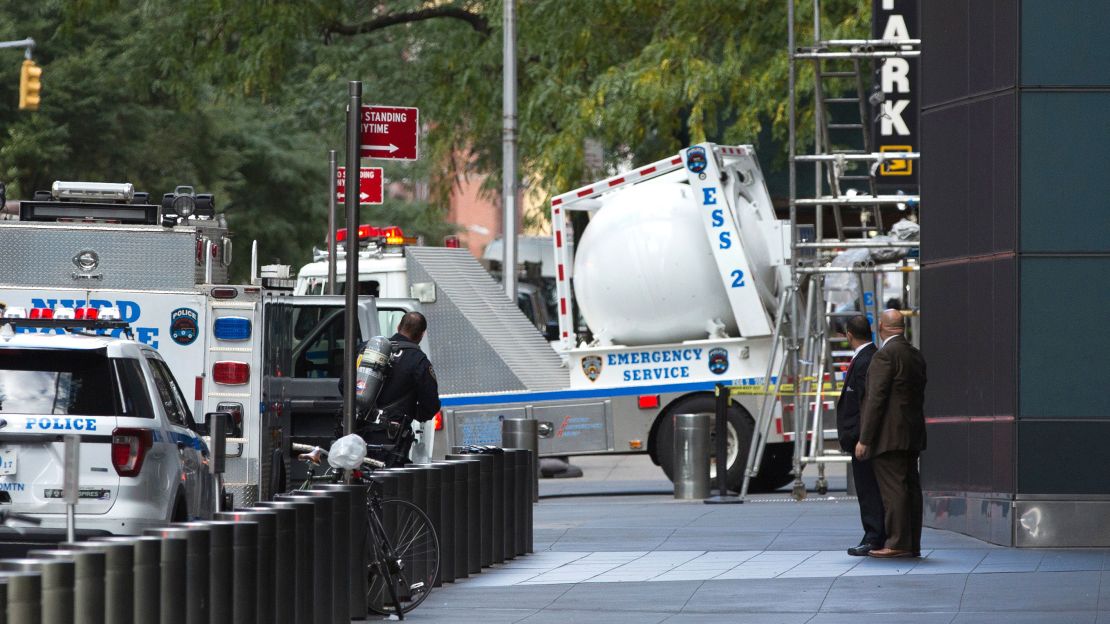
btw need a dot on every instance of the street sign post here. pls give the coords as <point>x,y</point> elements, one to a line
<point>390,132</point>
<point>370,183</point>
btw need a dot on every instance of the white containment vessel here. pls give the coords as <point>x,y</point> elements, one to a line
<point>644,272</point>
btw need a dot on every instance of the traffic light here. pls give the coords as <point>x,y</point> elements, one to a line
<point>30,84</point>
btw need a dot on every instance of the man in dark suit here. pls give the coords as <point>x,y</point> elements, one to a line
<point>870,500</point>
<point>892,433</point>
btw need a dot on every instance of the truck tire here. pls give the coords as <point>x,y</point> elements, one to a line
<point>741,426</point>
<point>776,469</point>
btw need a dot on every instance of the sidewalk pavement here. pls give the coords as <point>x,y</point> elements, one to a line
<point>640,556</point>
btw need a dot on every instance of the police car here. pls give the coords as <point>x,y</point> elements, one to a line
<point>142,460</point>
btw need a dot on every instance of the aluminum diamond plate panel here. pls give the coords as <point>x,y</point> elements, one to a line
<point>482,342</point>
<point>127,256</point>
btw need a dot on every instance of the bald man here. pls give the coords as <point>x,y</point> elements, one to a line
<point>892,434</point>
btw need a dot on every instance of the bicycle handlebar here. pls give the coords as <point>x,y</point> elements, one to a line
<point>6,515</point>
<point>307,448</point>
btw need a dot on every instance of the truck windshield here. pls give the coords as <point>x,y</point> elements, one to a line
<point>54,381</point>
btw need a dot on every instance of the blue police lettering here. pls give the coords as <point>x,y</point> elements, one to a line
<point>709,196</point>
<point>654,357</point>
<point>654,374</point>
<point>12,487</point>
<point>129,312</point>
<point>61,424</point>
<point>718,218</point>
<point>726,240</point>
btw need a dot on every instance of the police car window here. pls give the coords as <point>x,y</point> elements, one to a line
<point>172,400</point>
<point>55,381</point>
<point>132,389</point>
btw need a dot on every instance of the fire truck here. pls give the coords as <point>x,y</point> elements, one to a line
<point>269,358</point>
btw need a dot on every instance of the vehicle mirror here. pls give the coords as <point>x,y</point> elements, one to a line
<point>552,332</point>
<point>210,419</point>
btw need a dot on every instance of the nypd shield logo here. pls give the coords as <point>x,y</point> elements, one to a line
<point>695,159</point>
<point>183,326</point>
<point>718,361</point>
<point>591,366</point>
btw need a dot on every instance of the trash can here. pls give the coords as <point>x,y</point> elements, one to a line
<point>524,433</point>
<point>691,456</point>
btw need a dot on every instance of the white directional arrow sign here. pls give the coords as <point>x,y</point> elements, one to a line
<point>370,185</point>
<point>390,132</point>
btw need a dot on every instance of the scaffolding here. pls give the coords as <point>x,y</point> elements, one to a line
<point>803,379</point>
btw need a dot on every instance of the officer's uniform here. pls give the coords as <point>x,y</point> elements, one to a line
<point>411,387</point>
<point>410,392</point>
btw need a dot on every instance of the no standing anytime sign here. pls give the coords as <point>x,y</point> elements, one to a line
<point>390,132</point>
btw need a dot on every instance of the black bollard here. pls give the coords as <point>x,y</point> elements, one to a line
<point>195,588</point>
<point>457,511</point>
<point>433,501</point>
<point>221,540</point>
<point>296,585</point>
<point>266,569</point>
<point>146,574</point>
<point>119,578</point>
<point>22,597</point>
<point>473,511</point>
<point>509,496</point>
<point>355,545</point>
<point>485,499</point>
<point>88,581</point>
<point>323,540</point>
<point>497,513</point>
<point>57,586</point>
<point>341,552</point>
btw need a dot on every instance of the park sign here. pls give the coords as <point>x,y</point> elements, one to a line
<point>370,185</point>
<point>389,132</point>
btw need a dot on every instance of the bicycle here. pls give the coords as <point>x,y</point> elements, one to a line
<point>402,548</point>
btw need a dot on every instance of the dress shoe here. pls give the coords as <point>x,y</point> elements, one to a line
<point>890,553</point>
<point>861,550</point>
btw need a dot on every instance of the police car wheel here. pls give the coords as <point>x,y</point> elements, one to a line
<point>180,510</point>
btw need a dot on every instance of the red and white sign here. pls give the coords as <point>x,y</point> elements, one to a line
<point>370,183</point>
<point>390,132</point>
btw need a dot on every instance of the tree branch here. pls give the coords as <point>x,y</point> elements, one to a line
<point>477,22</point>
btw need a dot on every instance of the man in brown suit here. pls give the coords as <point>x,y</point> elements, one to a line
<point>892,433</point>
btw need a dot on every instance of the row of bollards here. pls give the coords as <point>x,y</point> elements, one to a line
<point>298,559</point>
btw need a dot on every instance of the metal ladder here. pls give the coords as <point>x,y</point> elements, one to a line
<point>845,181</point>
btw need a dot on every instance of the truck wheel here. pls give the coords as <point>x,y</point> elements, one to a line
<point>741,426</point>
<point>775,471</point>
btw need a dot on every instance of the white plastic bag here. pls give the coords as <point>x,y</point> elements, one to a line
<point>347,452</point>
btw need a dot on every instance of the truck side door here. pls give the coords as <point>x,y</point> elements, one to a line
<point>303,360</point>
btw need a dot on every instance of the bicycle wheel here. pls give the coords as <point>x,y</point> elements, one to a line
<point>403,555</point>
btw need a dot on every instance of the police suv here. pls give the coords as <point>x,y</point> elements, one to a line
<point>142,460</point>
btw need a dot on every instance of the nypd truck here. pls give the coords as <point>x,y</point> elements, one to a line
<point>270,359</point>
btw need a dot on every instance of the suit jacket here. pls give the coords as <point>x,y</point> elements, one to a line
<point>851,397</point>
<point>893,415</point>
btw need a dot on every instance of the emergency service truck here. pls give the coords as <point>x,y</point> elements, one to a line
<point>258,352</point>
<point>678,277</point>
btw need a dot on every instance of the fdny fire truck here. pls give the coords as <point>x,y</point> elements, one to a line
<point>269,358</point>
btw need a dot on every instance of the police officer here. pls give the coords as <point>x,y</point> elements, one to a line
<point>411,387</point>
<point>410,391</point>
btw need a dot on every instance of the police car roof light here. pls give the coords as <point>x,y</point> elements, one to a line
<point>63,313</point>
<point>41,313</point>
<point>392,234</point>
<point>86,313</point>
<point>15,313</point>
<point>109,314</point>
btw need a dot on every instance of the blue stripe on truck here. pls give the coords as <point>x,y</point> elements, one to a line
<point>598,393</point>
